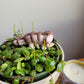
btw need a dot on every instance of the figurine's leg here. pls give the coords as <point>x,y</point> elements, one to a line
<point>29,41</point>
<point>37,45</point>
<point>49,40</point>
<point>31,45</point>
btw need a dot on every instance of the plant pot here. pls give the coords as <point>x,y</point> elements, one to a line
<point>44,76</point>
<point>55,74</point>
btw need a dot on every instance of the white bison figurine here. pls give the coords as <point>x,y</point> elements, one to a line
<point>36,38</point>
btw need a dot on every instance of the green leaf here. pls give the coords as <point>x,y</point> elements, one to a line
<point>52,52</point>
<point>19,59</point>
<point>51,80</point>
<point>63,62</point>
<point>39,67</point>
<point>4,46</point>
<point>26,52</point>
<point>33,73</point>
<point>0,51</point>
<point>10,39</point>
<point>19,50</point>
<point>4,66</point>
<point>45,52</point>
<point>16,55</point>
<point>28,67</point>
<point>27,57</point>
<point>51,48</point>
<point>16,81</point>
<point>59,67</point>
<point>8,54</point>
<point>58,52</point>
<point>49,61</point>
<point>13,68</point>
<point>42,59</point>
<point>8,73</point>
<point>33,62</point>
<point>50,68</point>
<point>4,52</point>
<point>9,43</point>
<point>21,72</point>
<point>56,40</point>
<point>26,71</point>
<point>19,66</point>
<point>31,56</point>
<point>52,61</point>
<point>23,64</point>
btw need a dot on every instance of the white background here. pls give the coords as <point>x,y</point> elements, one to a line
<point>63,17</point>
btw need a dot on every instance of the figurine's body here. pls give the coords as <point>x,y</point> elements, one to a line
<point>36,38</point>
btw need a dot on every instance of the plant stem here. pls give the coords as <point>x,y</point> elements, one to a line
<point>32,27</point>
<point>44,45</point>
<point>51,76</point>
<point>22,28</point>
<point>34,50</point>
<point>14,29</point>
<point>32,80</point>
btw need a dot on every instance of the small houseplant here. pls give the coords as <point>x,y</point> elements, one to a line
<point>23,64</point>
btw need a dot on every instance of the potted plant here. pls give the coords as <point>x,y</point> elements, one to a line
<point>23,64</point>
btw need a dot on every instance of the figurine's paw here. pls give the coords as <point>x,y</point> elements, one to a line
<point>31,45</point>
<point>51,45</point>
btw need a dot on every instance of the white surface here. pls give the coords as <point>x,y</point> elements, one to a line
<point>75,72</point>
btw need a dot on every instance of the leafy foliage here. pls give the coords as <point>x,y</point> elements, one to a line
<point>25,61</point>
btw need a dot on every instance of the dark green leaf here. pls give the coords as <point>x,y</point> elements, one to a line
<point>26,71</point>
<point>28,67</point>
